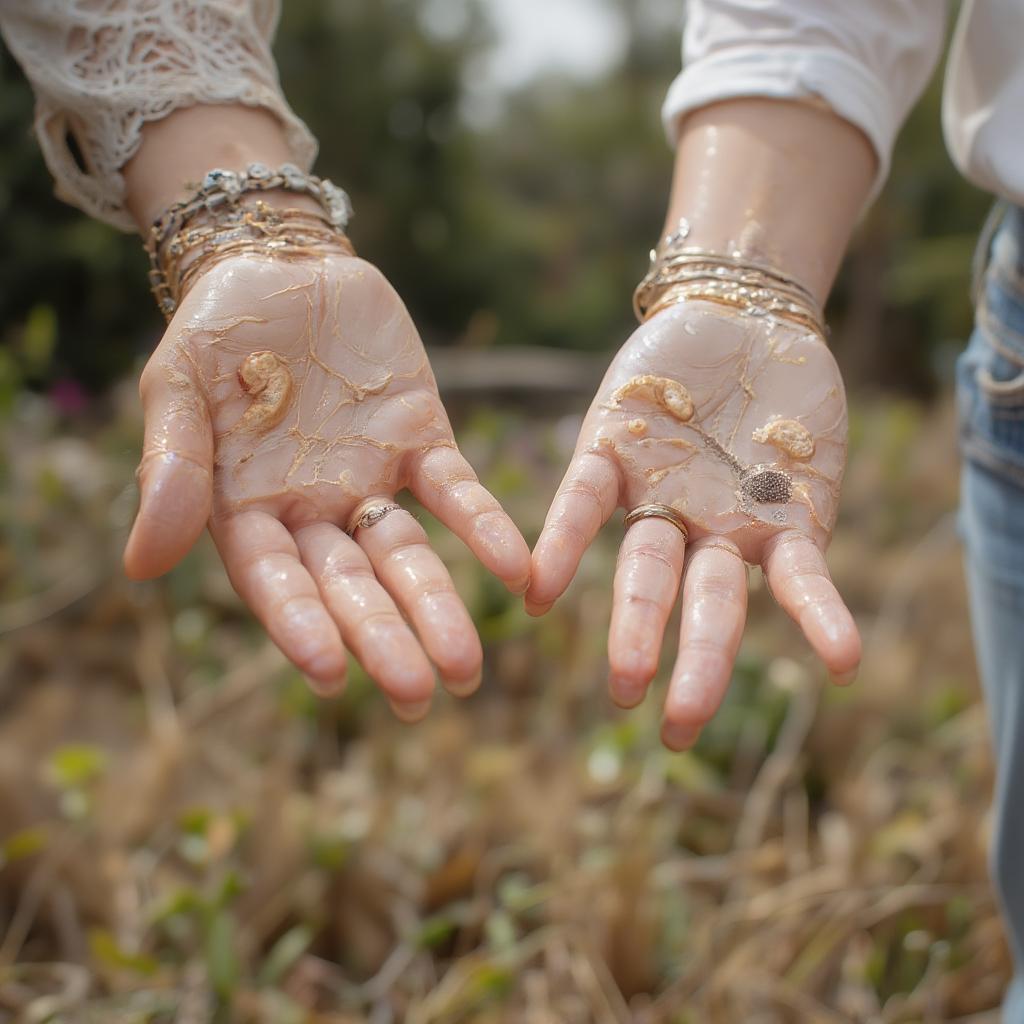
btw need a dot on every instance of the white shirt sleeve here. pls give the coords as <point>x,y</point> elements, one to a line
<point>100,71</point>
<point>868,60</point>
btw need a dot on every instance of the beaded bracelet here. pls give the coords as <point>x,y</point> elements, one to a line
<point>218,201</point>
<point>256,228</point>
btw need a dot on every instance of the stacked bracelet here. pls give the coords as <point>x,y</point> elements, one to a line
<point>764,301</point>
<point>258,229</point>
<point>679,273</point>
<point>215,221</point>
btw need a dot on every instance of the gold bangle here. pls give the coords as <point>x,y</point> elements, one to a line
<point>259,247</point>
<point>727,271</point>
<point>254,228</point>
<point>678,274</point>
<point>759,302</point>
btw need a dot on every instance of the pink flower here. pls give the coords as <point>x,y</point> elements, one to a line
<point>68,396</point>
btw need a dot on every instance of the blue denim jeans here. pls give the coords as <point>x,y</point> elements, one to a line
<point>990,396</point>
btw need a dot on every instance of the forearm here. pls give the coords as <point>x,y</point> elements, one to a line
<point>180,148</point>
<point>777,181</point>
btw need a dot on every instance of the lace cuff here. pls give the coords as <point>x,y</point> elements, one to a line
<point>100,71</point>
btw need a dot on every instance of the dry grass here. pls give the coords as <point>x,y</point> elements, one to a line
<point>188,836</point>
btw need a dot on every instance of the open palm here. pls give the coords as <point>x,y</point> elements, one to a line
<point>286,398</point>
<point>738,422</point>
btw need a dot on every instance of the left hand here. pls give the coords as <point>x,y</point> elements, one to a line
<point>739,423</point>
<point>288,397</point>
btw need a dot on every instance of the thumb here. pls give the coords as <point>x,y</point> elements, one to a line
<point>176,471</point>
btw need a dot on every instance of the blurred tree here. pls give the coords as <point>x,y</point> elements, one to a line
<point>91,278</point>
<point>578,174</point>
<point>382,96</point>
<point>532,228</point>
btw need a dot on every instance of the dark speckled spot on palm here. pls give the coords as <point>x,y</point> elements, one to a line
<point>766,486</point>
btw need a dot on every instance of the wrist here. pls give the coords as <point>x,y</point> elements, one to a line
<point>224,216</point>
<point>178,150</point>
<point>776,182</point>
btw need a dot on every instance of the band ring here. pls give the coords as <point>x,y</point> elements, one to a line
<point>655,510</point>
<point>371,516</point>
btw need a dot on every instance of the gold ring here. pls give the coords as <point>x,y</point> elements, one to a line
<point>654,510</point>
<point>372,516</point>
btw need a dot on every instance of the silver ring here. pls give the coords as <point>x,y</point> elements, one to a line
<point>373,515</point>
<point>655,510</point>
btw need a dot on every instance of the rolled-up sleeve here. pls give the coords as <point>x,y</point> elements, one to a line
<point>868,60</point>
<point>100,71</point>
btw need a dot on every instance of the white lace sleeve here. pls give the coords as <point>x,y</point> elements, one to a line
<point>101,70</point>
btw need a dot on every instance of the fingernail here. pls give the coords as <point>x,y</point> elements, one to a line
<point>536,610</point>
<point>519,587</point>
<point>625,693</point>
<point>464,687</point>
<point>324,666</point>
<point>844,678</point>
<point>411,711</point>
<point>326,687</point>
<point>679,737</point>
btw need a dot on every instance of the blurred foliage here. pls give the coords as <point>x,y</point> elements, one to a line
<point>531,229</point>
<point>186,833</point>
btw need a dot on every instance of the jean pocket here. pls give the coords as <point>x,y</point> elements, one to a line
<point>990,398</point>
<point>1003,392</point>
<point>998,365</point>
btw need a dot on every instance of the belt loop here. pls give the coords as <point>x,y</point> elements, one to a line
<point>983,250</point>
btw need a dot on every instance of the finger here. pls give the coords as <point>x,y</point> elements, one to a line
<point>798,577</point>
<point>646,583</point>
<point>262,562</point>
<point>418,581</point>
<point>370,624</point>
<point>175,473</point>
<point>714,611</point>
<point>444,482</point>
<point>585,499</point>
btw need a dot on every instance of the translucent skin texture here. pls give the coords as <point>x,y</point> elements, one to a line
<point>764,395</point>
<point>287,397</point>
<point>738,421</point>
<point>329,416</point>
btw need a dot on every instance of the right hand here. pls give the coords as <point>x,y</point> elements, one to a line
<point>286,397</point>
<point>712,412</point>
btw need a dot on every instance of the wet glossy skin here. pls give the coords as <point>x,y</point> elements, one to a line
<point>764,406</point>
<point>286,398</point>
<point>738,421</point>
